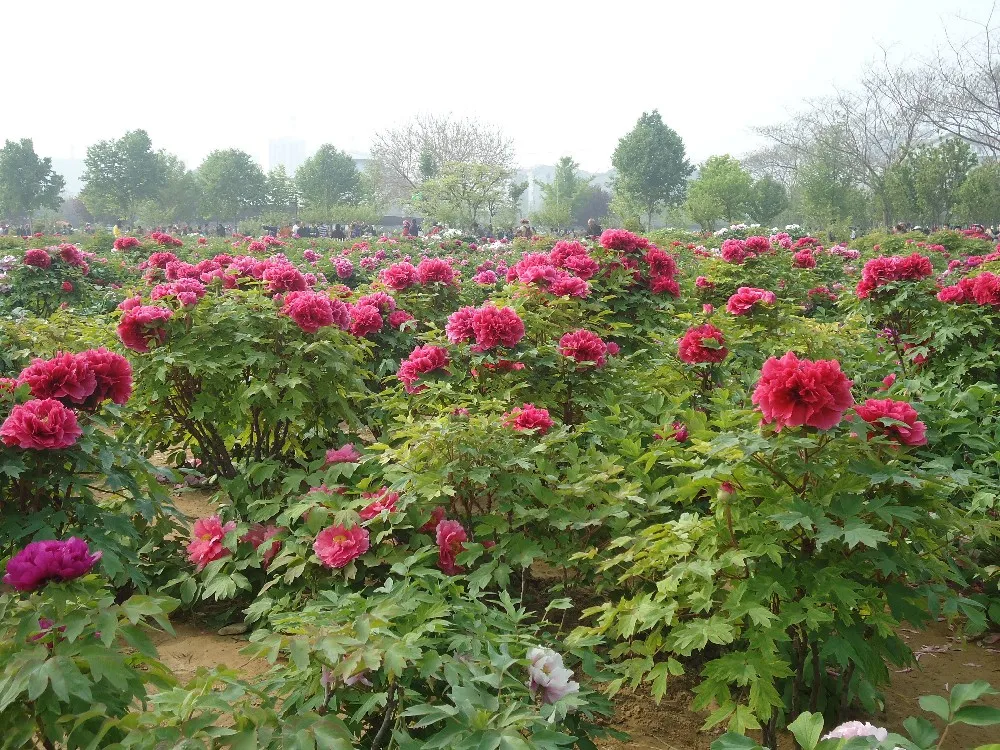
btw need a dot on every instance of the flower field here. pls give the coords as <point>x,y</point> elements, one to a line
<point>463,493</point>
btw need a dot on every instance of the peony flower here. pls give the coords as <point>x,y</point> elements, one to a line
<point>206,541</point>
<point>422,360</point>
<point>803,259</point>
<point>793,392</point>
<point>623,241</point>
<point>435,270</point>
<point>37,258</point>
<point>399,276</point>
<point>336,546</point>
<point>437,516</point>
<point>65,377</point>
<point>496,326</point>
<point>852,729</point>
<point>67,287</point>
<point>345,454</point>
<point>41,424</point>
<point>700,344</point>
<point>912,432</point>
<point>142,326</point>
<point>528,417</point>
<point>312,311</point>
<point>398,318</point>
<point>113,374</point>
<point>746,297</point>
<point>486,278</point>
<point>49,560</point>
<point>365,319</point>
<point>548,676</point>
<point>258,534</point>
<point>584,346</point>
<point>451,538</point>
<point>459,326</point>
<point>381,500</point>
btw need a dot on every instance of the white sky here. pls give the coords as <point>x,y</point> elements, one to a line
<point>559,77</point>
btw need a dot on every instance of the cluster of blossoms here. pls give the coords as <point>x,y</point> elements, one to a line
<point>69,254</point>
<point>165,240</point>
<point>528,417</point>
<point>314,310</point>
<point>660,269</point>
<point>422,360</point>
<point>489,326</point>
<point>208,537</point>
<point>902,425</point>
<point>781,239</point>
<point>746,298</point>
<point>126,243</point>
<point>585,347</point>
<point>885,269</point>
<point>702,344</point>
<point>548,677</point>
<point>739,251</point>
<point>142,325</point>
<point>187,291</point>
<point>400,276</point>
<point>983,290</point>
<point>58,385</point>
<point>542,270</point>
<point>49,560</point>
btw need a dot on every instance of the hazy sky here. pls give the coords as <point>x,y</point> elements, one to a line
<point>559,77</point>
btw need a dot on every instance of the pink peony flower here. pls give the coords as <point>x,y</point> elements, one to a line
<point>345,454</point>
<point>496,326</point>
<point>528,417</point>
<point>37,258</point>
<point>206,541</point>
<point>852,729</point>
<point>486,278</point>
<point>41,424</point>
<point>459,326</point>
<point>381,500</point>
<point>422,360</point>
<point>912,432</point>
<point>337,546</point>
<point>623,241</point>
<point>746,297</point>
<point>700,344</point>
<point>451,538</point>
<point>399,276</point>
<point>437,516</point>
<point>49,560</point>
<point>398,318</point>
<point>258,534</point>
<point>584,346</point>
<point>435,270</point>
<point>144,325</point>
<point>793,392</point>
<point>803,259</point>
<point>312,311</point>
<point>65,377</point>
<point>365,319</point>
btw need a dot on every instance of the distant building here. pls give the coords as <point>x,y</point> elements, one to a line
<point>287,152</point>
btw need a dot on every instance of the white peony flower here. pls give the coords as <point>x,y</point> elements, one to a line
<point>857,729</point>
<point>548,676</point>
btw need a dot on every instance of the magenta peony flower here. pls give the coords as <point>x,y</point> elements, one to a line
<point>912,432</point>
<point>284,277</point>
<point>336,546</point>
<point>746,297</point>
<point>496,326</point>
<point>700,344</point>
<point>43,424</point>
<point>113,374</point>
<point>206,541</point>
<point>345,454</point>
<point>623,241</point>
<point>793,392</point>
<point>381,500</point>
<point>803,259</point>
<point>398,318</point>
<point>258,534</point>
<point>49,560</point>
<point>399,276</point>
<point>142,326</point>
<point>986,289</point>
<point>422,360</point>
<point>312,310</point>
<point>37,258</point>
<point>459,326</point>
<point>65,377</point>
<point>528,417</point>
<point>451,538</point>
<point>384,302</point>
<point>365,319</point>
<point>584,346</point>
<point>437,516</point>
<point>435,270</point>
<point>486,278</point>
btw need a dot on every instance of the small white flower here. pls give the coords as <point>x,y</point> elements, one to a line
<point>548,676</point>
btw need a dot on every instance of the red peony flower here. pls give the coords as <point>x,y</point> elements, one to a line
<point>793,392</point>
<point>65,377</point>
<point>986,289</point>
<point>337,546</point>
<point>142,326</point>
<point>451,538</point>
<point>746,297</point>
<point>584,346</point>
<point>437,516</point>
<point>911,432</point>
<point>113,374</point>
<point>700,344</point>
<point>803,259</point>
<point>528,417</point>
<point>398,318</point>
<point>258,534</point>
<point>37,258</point>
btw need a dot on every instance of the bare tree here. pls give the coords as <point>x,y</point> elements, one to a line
<point>963,83</point>
<point>405,153</point>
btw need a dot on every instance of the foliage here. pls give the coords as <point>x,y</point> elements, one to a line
<point>326,179</point>
<point>121,174</point>
<point>233,184</point>
<point>27,183</point>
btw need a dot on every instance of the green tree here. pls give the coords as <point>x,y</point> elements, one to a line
<point>724,179</point>
<point>651,165</point>
<point>463,192</point>
<point>181,197</point>
<point>979,195</point>
<point>428,164</point>
<point>326,179</point>
<point>768,198</point>
<point>830,196</point>
<point>27,182</point>
<point>233,184</point>
<point>593,203</point>
<point>939,172</point>
<point>561,196</point>
<point>121,174</point>
<point>703,206</point>
<point>280,193</point>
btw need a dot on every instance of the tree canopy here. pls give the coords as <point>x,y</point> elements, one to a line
<point>121,174</point>
<point>27,182</point>
<point>233,184</point>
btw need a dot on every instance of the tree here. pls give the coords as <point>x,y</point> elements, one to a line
<point>417,151</point>
<point>561,196</point>
<point>830,196</point>
<point>326,179</point>
<point>979,195</point>
<point>120,174</point>
<point>651,165</point>
<point>723,178</point>
<point>939,172</point>
<point>280,194</point>
<point>768,198</point>
<point>180,198</point>
<point>593,203</point>
<point>233,184</point>
<point>27,183</point>
<point>703,205</point>
<point>462,191</point>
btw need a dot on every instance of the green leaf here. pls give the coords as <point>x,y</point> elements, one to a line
<point>730,741</point>
<point>807,729</point>
<point>972,691</point>
<point>936,705</point>
<point>921,731</point>
<point>978,716</point>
